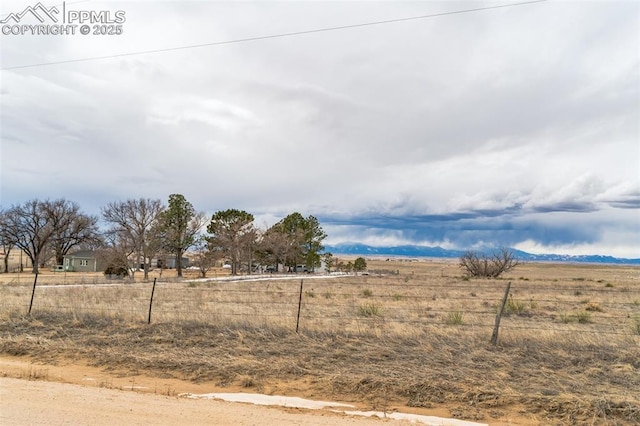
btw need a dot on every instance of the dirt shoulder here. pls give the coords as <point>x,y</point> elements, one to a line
<point>62,394</point>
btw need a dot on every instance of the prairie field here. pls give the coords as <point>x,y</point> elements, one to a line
<point>410,335</point>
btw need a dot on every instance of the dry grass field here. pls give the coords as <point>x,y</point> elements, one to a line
<point>410,334</point>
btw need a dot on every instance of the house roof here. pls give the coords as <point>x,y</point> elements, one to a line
<point>87,254</point>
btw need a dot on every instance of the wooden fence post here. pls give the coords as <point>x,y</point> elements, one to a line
<point>299,306</point>
<point>494,335</point>
<point>153,289</point>
<point>33,292</point>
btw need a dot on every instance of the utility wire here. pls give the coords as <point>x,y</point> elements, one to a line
<point>291,34</point>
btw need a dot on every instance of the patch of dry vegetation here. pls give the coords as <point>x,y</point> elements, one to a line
<point>418,338</point>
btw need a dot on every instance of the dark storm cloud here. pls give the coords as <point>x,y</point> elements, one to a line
<point>516,125</point>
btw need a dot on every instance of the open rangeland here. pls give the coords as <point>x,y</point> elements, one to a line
<point>412,335</point>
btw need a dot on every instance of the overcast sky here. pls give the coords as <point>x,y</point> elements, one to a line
<point>516,126</point>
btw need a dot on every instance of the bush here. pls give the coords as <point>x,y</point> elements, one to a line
<point>360,264</point>
<point>583,317</point>
<point>565,318</point>
<point>369,310</point>
<point>482,265</point>
<point>116,271</point>
<point>454,318</point>
<point>515,307</point>
<point>593,307</point>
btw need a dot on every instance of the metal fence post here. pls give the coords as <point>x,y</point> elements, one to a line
<point>299,306</point>
<point>33,292</point>
<point>153,289</point>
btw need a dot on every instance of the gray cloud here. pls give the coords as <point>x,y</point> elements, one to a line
<point>517,125</point>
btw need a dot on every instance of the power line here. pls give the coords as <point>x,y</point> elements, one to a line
<point>281,35</point>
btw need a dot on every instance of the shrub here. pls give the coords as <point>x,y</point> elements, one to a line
<point>116,271</point>
<point>369,310</point>
<point>248,382</point>
<point>583,317</point>
<point>360,264</point>
<point>454,318</point>
<point>481,265</point>
<point>635,326</point>
<point>593,307</point>
<point>565,318</point>
<point>515,307</point>
<point>367,292</point>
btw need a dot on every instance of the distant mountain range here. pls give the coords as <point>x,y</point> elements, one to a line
<point>439,252</point>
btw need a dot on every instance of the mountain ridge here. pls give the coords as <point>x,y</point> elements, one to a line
<point>439,252</point>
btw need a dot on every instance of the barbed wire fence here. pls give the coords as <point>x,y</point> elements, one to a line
<point>382,305</point>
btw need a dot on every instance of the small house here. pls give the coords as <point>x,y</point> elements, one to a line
<point>170,262</point>
<point>83,261</point>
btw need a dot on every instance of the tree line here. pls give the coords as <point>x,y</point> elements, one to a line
<point>136,231</point>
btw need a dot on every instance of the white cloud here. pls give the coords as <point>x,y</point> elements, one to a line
<point>516,112</point>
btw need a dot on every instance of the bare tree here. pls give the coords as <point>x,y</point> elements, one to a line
<point>204,257</point>
<point>71,227</point>
<point>42,229</point>
<point>249,247</point>
<point>133,231</point>
<point>116,253</point>
<point>30,228</point>
<point>276,247</point>
<point>482,265</point>
<point>6,241</point>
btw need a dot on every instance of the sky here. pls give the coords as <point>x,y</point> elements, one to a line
<point>509,127</point>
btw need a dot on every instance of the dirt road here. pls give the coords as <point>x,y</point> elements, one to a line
<point>47,403</point>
